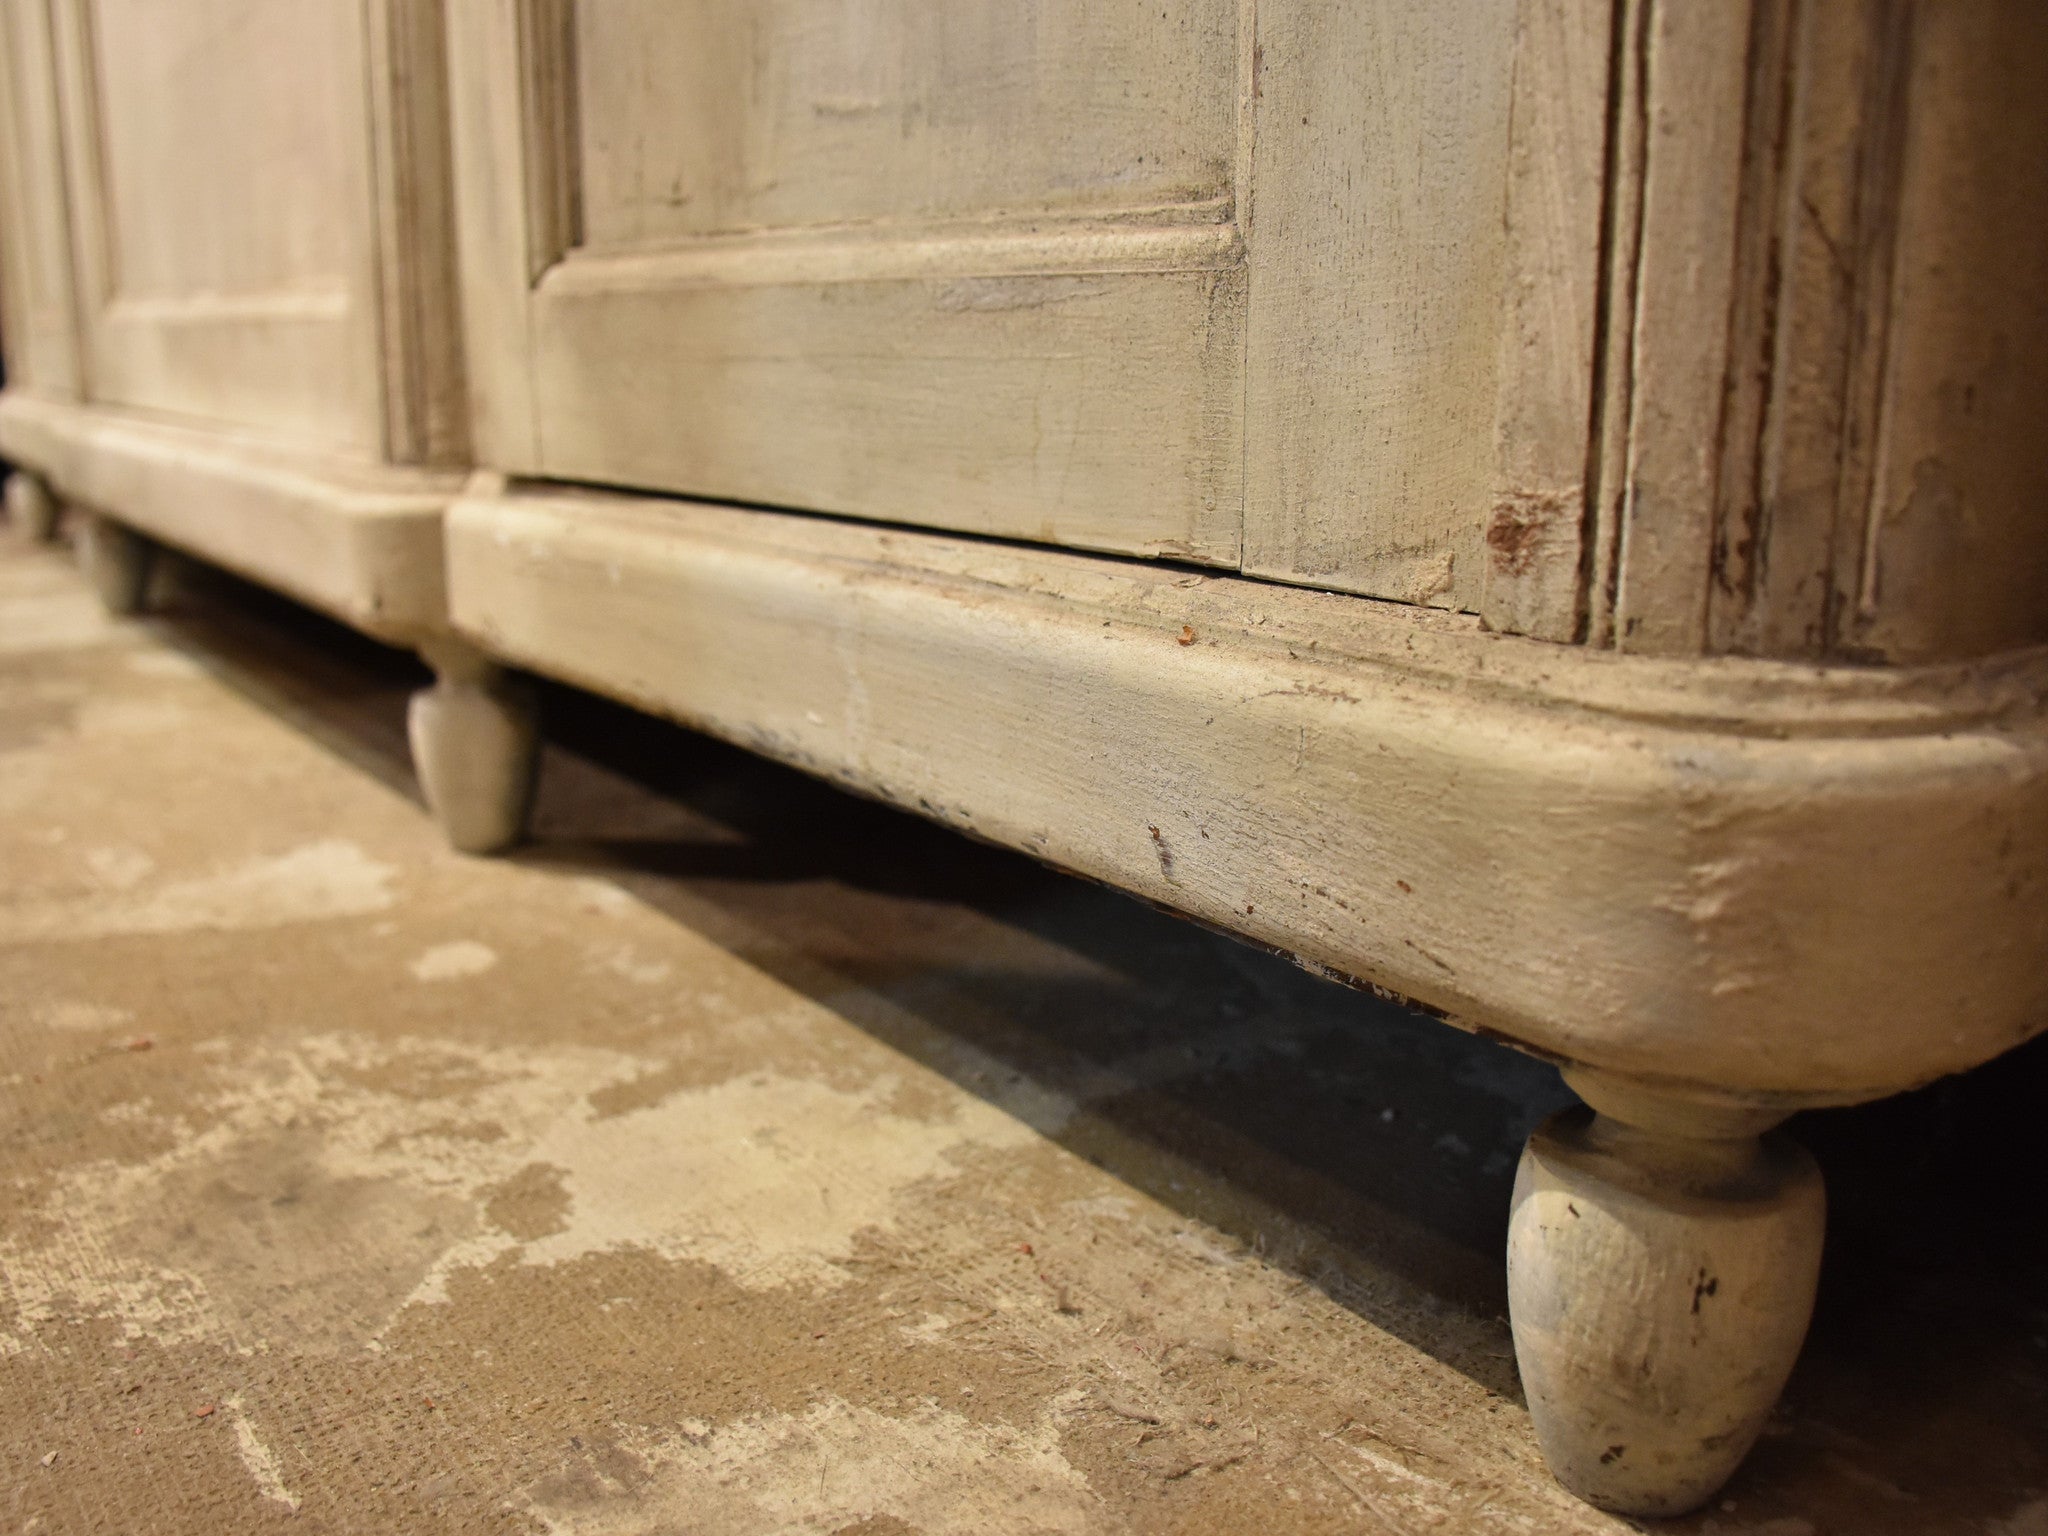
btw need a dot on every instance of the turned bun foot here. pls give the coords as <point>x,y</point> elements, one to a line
<point>30,507</point>
<point>117,562</point>
<point>1661,1272</point>
<point>475,740</point>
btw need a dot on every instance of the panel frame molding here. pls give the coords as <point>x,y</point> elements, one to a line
<point>1798,290</point>
<point>531,292</point>
<point>367,364</point>
<point>267,360</point>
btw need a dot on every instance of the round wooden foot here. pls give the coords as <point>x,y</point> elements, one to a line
<point>117,562</point>
<point>1661,1273</point>
<point>31,508</point>
<point>475,742</point>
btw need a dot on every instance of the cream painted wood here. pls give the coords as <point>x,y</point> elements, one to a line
<point>1826,324</point>
<point>426,406</point>
<point>1390,297</point>
<point>475,742</point>
<point>31,509</point>
<point>1534,561</point>
<point>1667,329</point>
<point>224,213</point>
<point>118,562</point>
<point>1675,871</point>
<point>360,542</point>
<point>38,314</point>
<point>1023,316</point>
<point>1662,1262</point>
<point>251,209</point>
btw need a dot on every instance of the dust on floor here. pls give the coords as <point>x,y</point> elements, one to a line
<point>743,1158</point>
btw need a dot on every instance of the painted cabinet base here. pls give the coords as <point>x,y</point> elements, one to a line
<point>31,508</point>
<point>361,542</point>
<point>1662,1259</point>
<point>475,743</point>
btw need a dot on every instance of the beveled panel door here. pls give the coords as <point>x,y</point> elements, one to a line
<point>975,266</point>
<point>220,167</point>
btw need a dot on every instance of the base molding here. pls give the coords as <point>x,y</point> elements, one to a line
<point>1680,871</point>
<point>360,542</point>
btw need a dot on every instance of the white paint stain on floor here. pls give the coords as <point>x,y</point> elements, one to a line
<point>73,1016</point>
<point>450,962</point>
<point>330,878</point>
<point>258,1458</point>
<point>829,1469</point>
<point>768,1177</point>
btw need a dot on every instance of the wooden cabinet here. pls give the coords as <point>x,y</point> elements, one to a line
<point>226,232</point>
<point>1531,505</point>
<point>229,288</point>
<point>993,267</point>
<point>230,307</point>
<point>976,266</point>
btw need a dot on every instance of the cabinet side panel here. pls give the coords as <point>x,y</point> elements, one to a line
<point>1955,535</point>
<point>1380,171</point>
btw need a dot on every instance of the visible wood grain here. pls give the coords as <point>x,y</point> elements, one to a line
<point>1809,326</point>
<point>1614,859</point>
<point>1607,486</point>
<point>1838,312</point>
<point>1537,527</point>
<point>1380,175</point>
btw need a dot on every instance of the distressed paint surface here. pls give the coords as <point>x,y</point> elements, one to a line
<point>1649,866</point>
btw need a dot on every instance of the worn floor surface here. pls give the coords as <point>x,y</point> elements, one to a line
<point>744,1158</point>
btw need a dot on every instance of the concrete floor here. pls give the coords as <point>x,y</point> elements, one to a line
<point>744,1158</point>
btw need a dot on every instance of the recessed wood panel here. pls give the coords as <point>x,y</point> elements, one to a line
<point>220,174</point>
<point>719,116</point>
<point>224,144</point>
<point>974,266</point>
